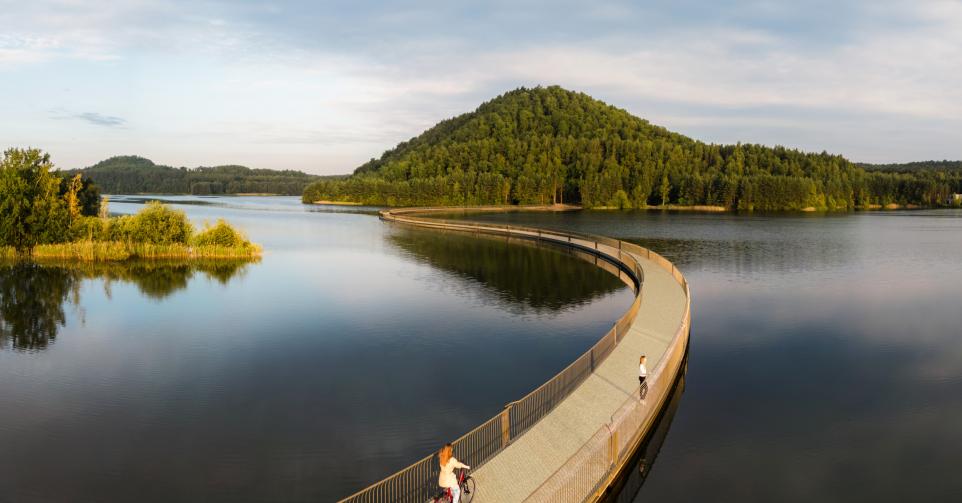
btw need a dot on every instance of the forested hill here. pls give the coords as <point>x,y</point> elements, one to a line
<point>545,145</point>
<point>137,175</point>
<point>910,167</point>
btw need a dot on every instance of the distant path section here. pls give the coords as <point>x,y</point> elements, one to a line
<point>569,439</point>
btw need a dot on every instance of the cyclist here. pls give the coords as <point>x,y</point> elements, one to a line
<point>446,478</point>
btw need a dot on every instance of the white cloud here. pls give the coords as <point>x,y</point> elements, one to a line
<point>886,87</point>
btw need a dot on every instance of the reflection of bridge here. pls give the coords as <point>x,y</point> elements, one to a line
<point>570,438</point>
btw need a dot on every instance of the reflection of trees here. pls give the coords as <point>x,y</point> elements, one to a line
<point>519,272</point>
<point>32,296</point>
<point>31,304</point>
<point>158,279</point>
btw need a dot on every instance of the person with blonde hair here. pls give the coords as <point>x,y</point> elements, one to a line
<point>446,478</point>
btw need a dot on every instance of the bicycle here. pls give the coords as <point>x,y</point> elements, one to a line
<point>467,485</point>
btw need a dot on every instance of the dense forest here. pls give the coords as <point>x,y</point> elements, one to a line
<point>909,167</point>
<point>550,145</point>
<point>136,175</point>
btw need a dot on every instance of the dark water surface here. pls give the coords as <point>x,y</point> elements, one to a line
<point>351,349</point>
<point>826,354</point>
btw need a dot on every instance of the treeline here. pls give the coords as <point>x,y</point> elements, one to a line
<point>45,216</point>
<point>137,175</point>
<point>550,145</point>
<point>909,167</point>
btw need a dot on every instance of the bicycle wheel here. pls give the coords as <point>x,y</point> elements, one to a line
<point>467,490</point>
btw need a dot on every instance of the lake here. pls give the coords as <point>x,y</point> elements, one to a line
<point>351,349</point>
<point>825,360</point>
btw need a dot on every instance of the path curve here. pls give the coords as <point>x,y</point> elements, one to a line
<point>569,439</point>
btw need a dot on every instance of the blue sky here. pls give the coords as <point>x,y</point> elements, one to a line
<point>323,86</point>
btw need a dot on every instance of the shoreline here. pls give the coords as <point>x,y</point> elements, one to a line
<point>672,207</point>
<point>338,203</point>
<point>245,194</point>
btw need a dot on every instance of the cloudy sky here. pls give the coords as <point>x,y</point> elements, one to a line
<point>322,86</point>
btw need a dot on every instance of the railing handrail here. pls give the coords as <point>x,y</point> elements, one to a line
<point>569,377</point>
<point>570,478</point>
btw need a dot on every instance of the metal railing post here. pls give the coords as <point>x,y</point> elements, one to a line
<point>506,426</point>
<point>613,457</point>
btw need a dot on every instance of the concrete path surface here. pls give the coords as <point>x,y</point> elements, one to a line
<point>523,466</point>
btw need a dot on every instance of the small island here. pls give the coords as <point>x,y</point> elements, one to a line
<point>45,217</point>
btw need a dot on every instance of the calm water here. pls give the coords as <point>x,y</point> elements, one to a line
<point>352,348</point>
<point>825,360</point>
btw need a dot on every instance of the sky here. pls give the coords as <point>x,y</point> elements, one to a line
<point>322,86</point>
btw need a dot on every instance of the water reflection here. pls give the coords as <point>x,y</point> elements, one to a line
<point>747,259</point>
<point>828,362</point>
<point>31,304</point>
<point>625,489</point>
<point>33,296</point>
<point>512,272</point>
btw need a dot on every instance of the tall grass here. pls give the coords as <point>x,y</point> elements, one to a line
<point>8,253</point>
<point>110,251</point>
<point>83,250</point>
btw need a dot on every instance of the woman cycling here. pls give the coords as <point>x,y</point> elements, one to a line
<point>446,479</point>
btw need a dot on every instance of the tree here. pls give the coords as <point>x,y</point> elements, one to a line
<point>552,145</point>
<point>80,195</point>
<point>664,189</point>
<point>31,210</point>
<point>72,197</point>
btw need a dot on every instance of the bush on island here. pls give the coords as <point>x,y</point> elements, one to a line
<point>220,234</point>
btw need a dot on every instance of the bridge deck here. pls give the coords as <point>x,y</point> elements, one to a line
<point>523,466</point>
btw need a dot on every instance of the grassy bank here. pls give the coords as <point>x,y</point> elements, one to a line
<point>117,251</point>
<point>107,251</point>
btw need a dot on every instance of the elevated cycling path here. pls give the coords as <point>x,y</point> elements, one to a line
<point>569,439</point>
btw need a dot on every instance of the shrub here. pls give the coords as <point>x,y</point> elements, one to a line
<point>155,224</point>
<point>159,224</point>
<point>88,229</point>
<point>221,234</point>
<point>120,228</point>
<point>620,200</point>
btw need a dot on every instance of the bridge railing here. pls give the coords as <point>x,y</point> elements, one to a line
<point>418,482</point>
<point>588,473</point>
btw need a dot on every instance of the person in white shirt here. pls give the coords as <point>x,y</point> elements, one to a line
<point>446,478</point>
<point>642,376</point>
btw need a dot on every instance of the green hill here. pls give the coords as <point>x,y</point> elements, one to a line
<point>137,175</point>
<point>547,145</point>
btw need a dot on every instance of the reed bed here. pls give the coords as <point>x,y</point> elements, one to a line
<point>8,253</point>
<point>115,251</point>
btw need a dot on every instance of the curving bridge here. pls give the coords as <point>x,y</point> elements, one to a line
<point>570,438</point>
